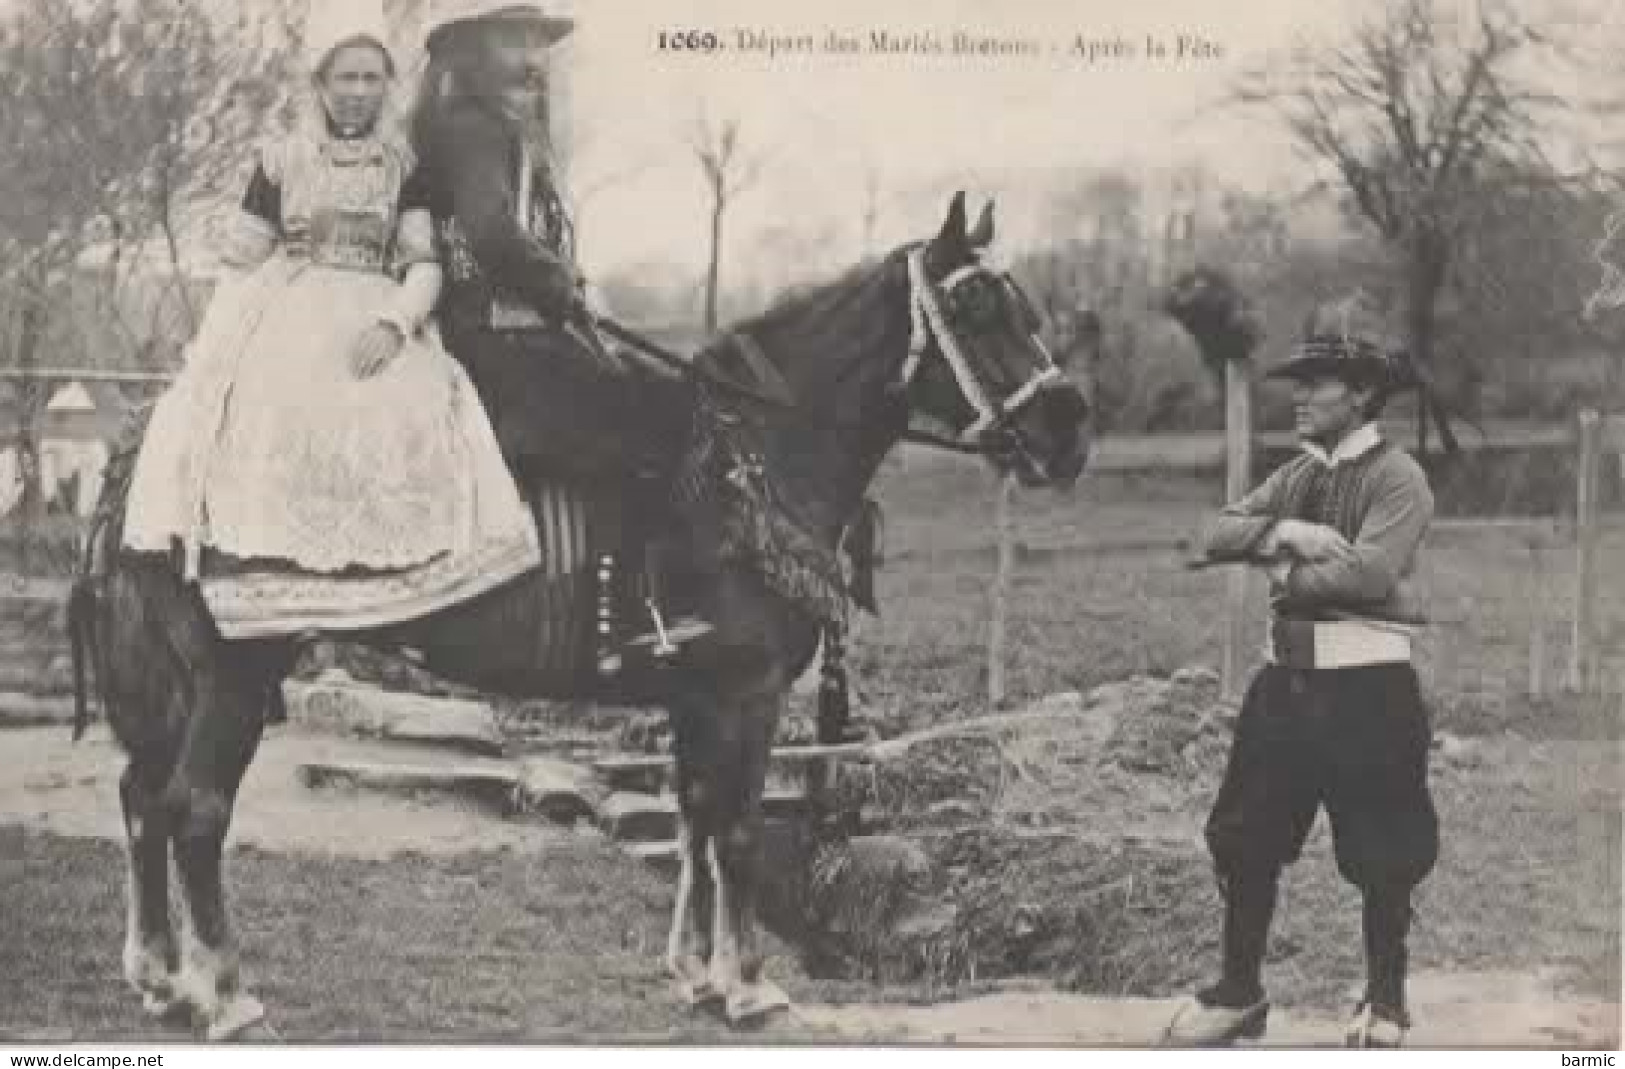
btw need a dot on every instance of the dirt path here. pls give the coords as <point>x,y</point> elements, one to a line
<point>50,783</point>
<point>1495,1009</point>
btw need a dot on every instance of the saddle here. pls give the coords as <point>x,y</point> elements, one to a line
<point>620,534</point>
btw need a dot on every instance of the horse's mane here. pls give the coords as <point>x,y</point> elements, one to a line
<point>817,335</point>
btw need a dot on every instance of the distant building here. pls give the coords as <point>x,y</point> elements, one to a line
<point>75,433</point>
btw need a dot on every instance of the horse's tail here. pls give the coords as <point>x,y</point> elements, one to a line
<point>96,559</point>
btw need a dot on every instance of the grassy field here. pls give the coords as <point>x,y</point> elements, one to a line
<point>1101,591</point>
<point>515,947</point>
<point>486,947</point>
<point>1530,869</point>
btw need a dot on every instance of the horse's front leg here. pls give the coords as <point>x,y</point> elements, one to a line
<point>688,949</point>
<point>222,735</point>
<point>747,724</point>
<point>149,941</point>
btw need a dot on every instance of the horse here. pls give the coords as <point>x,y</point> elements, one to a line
<point>925,333</point>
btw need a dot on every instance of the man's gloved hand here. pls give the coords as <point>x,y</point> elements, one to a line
<point>561,285</point>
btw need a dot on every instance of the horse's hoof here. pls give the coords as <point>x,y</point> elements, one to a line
<point>693,983</point>
<point>751,1005</point>
<point>163,1006</point>
<point>240,1020</point>
<point>699,995</point>
<point>258,1032</point>
<point>1372,1027</point>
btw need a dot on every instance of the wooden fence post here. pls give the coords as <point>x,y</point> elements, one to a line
<point>1238,433</point>
<point>1583,644</point>
<point>999,625</point>
<point>1537,630</point>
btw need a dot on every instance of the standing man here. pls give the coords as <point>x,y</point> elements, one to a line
<point>1335,717</point>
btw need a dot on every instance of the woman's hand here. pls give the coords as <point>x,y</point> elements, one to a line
<point>375,349</point>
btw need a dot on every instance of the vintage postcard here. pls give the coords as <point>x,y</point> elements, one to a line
<point>1071,524</point>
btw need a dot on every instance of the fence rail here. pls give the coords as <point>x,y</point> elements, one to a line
<point>83,375</point>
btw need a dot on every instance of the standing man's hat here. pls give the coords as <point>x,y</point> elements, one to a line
<point>1353,358</point>
<point>1340,339</point>
<point>446,14</point>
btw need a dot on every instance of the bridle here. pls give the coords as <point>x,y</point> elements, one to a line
<point>991,433</point>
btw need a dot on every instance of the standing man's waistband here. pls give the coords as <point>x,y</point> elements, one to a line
<point>1312,644</point>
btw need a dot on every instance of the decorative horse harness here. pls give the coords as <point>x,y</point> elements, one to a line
<point>969,297</point>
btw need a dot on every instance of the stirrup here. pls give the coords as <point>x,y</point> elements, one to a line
<point>667,640</point>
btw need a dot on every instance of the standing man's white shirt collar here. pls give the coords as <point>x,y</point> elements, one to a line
<point>1357,443</point>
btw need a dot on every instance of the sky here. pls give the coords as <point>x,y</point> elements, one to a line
<point>918,120</point>
<point>922,122</point>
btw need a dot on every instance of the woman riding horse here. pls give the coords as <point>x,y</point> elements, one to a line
<point>321,462</point>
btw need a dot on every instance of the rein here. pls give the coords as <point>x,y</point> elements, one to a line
<point>928,322</point>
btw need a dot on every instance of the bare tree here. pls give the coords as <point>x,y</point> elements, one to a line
<point>873,192</point>
<point>121,110</point>
<point>729,170</point>
<point>1413,110</point>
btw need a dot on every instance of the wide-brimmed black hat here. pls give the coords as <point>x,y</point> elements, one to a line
<point>1357,359</point>
<point>1339,340</point>
<point>446,16</point>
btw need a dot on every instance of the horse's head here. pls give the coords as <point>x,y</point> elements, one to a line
<point>976,365</point>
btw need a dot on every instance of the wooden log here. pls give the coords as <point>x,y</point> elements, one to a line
<point>666,853</point>
<point>495,787</point>
<point>366,712</point>
<point>32,710</point>
<point>653,773</point>
<point>48,675</point>
<point>23,587</point>
<point>560,790</point>
<point>635,816</point>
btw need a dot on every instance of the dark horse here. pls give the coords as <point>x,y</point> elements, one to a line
<point>928,331</point>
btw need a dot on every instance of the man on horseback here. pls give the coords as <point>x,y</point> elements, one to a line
<point>566,409</point>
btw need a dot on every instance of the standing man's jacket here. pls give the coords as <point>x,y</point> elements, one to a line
<point>1374,494</point>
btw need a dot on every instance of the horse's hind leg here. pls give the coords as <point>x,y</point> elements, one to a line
<point>221,736</point>
<point>741,766</point>
<point>149,944</point>
<point>688,950</point>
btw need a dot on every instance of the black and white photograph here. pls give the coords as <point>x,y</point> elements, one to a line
<point>745,525</point>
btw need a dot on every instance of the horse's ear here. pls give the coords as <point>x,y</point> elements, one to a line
<point>981,235</point>
<point>953,227</point>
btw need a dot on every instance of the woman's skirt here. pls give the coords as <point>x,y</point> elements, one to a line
<point>305,498</point>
